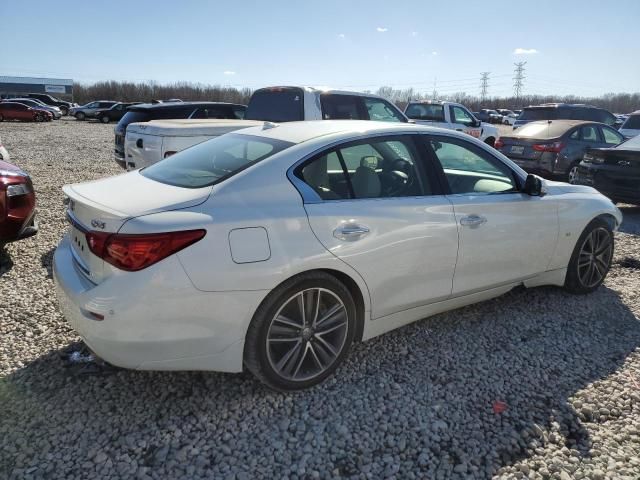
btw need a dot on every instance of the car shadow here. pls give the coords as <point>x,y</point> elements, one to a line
<point>6,262</point>
<point>474,386</point>
<point>46,260</point>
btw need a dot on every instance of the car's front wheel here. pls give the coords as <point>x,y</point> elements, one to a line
<point>80,116</point>
<point>104,119</point>
<point>572,173</point>
<point>301,332</point>
<point>591,258</point>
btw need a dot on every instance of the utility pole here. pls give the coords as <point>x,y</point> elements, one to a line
<point>518,80</point>
<point>434,94</point>
<point>484,85</point>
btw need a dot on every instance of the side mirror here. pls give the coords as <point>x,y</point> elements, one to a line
<point>477,123</point>
<point>535,186</point>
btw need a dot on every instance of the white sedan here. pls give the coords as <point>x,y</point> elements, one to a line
<point>276,247</point>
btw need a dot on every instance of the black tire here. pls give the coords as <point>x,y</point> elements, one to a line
<point>490,141</point>
<point>80,116</point>
<point>574,281</point>
<point>39,118</point>
<point>104,119</point>
<point>64,110</point>
<point>258,357</point>
<point>1,118</point>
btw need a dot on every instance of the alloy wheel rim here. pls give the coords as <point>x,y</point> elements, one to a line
<point>572,174</point>
<point>595,257</point>
<point>307,334</point>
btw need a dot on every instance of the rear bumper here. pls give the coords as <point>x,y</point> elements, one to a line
<point>598,178</point>
<point>155,319</point>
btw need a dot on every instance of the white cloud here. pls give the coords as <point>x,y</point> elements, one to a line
<point>525,51</point>
<point>414,34</point>
<point>229,72</point>
<point>341,35</point>
<point>382,29</point>
<point>434,53</point>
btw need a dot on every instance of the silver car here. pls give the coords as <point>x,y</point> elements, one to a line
<point>90,109</point>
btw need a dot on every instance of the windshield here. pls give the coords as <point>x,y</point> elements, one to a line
<point>214,160</point>
<point>276,105</point>
<point>633,122</point>
<point>532,114</point>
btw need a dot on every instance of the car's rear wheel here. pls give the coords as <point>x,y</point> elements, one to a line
<point>572,173</point>
<point>591,258</point>
<point>301,332</point>
<point>64,110</point>
<point>80,116</point>
<point>39,118</point>
<point>104,119</point>
<point>1,118</point>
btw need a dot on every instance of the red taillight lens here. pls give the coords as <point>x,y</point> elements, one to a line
<point>549,147</point>
<point>135,252</point>
<point>498,143</point>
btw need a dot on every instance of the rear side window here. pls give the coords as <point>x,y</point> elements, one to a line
<point>213,161</point>
<point>589,134</point>
<point>381,110</point>
<point>420,111</point>
<point>611,137</point>
<point>340,107</point>
<point>380,168</point>
<point>212,112</point>
<point>276,105</point>
<point>632,123</point>
<point>533,114</point>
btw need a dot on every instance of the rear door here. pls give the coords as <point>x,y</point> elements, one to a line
<point>505,236</point>
<point>375,205</point>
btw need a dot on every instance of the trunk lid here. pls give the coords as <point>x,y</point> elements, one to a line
<point>105,205</point>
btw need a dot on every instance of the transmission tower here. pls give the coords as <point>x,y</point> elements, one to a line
<point>484,85</point>
<point>518,80</point>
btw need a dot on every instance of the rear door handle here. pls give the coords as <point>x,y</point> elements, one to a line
<point>350,232</point>
<point>472,221</point>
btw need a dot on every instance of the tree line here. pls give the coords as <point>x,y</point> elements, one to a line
<point>148,91</point>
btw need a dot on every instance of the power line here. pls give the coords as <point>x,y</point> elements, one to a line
<point>484,85</point>
<point>518,80</point>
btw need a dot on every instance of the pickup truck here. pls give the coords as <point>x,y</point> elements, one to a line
<point>452,116</point>
<point>149,142</point>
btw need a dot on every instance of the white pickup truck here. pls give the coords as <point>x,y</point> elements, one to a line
<point>452,116</point>
<point>149,142</point>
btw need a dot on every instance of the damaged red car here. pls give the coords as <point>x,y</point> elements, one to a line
<point>17,204</point>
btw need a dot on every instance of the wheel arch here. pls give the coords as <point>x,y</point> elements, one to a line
<point>356,293</point>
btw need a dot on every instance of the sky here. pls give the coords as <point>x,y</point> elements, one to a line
<point>584,47</point>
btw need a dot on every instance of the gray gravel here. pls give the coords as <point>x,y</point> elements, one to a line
<point>415,403</point>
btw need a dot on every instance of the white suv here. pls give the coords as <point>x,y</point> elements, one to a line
<point>290,104</point>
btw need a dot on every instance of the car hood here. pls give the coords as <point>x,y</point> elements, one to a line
<point>562,187</point>
<point>132,194</point>
<point>10,169</point>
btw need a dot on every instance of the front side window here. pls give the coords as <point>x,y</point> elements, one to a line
<point>340,107</point>
<point>469,170</point>
<point>377,168</point>
<point>212,161</point>
<point>381,110</point>
<point>460,115</point>
<point>611,137</point>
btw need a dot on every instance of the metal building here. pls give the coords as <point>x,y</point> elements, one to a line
<point>57,87</point>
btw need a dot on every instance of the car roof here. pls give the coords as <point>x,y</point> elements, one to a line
<point>299,132</point>
<point>320,90</point>
<point>561,105</point>
<point>177,105</point>
<point>556,128</point>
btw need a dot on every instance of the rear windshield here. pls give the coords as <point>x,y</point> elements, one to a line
<point>214,160</point>
<point>542,130</point>
<point>421,111</point>
<point>533,114</point>
<point>633,122</point>
<point>276,105</point>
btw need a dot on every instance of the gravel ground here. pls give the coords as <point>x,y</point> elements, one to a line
<point>562,371</point>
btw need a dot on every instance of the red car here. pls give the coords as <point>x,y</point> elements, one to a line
<point>18,111</point>
<point>17,204</point>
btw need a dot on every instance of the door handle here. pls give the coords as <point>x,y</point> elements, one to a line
<point>350,232</point>
<point>472,221</point>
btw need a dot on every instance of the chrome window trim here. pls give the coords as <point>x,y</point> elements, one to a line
<point>309,195</point>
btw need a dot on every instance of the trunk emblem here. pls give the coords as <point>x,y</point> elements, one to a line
<point>98,224</point>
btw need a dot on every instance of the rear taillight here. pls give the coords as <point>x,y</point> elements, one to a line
<point>133,252</point>
<point>498,143</point>
<point>554,147</point>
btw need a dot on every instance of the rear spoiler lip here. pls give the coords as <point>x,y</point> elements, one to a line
<point>69,191</point>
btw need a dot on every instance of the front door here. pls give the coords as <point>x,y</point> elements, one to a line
<point>379,210</point>
<point>505,235</point>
